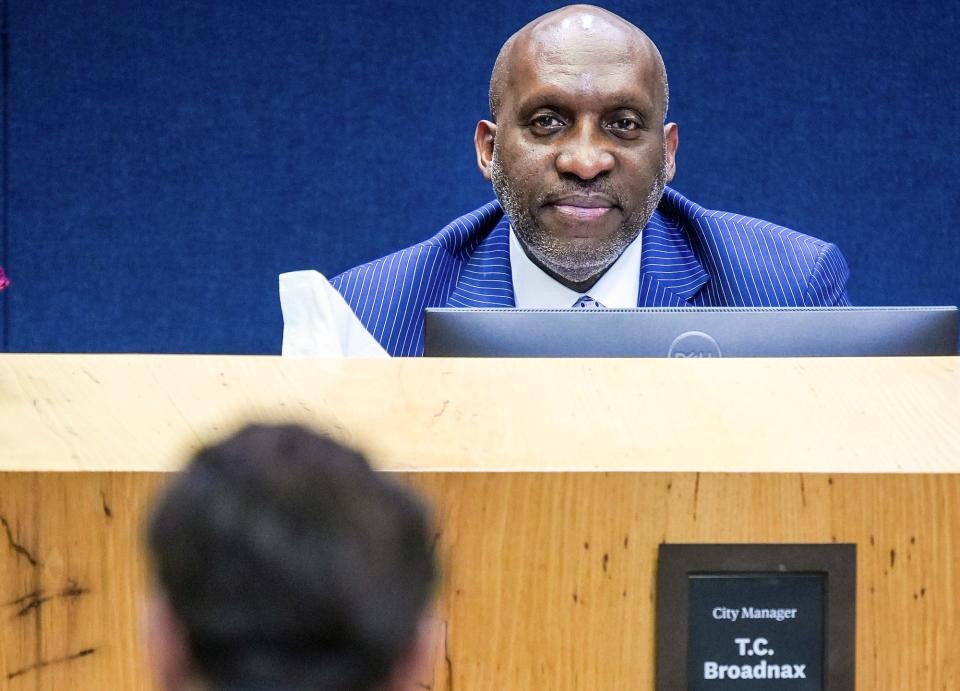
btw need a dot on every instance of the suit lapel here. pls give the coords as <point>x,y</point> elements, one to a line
<point>670,273</point>
<point>486,279</point>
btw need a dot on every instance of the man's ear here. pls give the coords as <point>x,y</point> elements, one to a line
<point>483,142</point>
<point>671,139</point>
<point>415,668</point>
<point>166,641</point>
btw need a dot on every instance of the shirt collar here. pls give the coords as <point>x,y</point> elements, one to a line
<point>534,289</point>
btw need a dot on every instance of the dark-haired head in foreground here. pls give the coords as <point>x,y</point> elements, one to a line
<point>282,561</point>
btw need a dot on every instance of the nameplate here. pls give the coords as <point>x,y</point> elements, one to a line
<point>764,617</point>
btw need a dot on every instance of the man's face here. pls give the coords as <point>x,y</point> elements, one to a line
<point>580,155</point>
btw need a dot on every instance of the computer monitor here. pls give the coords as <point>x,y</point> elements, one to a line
<point>692,332</point>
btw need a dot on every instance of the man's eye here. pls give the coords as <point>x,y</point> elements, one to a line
<point>625,124</point>
<point>546,122</point>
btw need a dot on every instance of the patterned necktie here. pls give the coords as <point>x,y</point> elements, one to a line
<point>585,302</point>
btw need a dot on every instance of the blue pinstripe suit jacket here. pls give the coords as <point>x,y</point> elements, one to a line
<point>690,257</point>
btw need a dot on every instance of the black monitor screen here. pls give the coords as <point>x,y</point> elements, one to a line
<point>692,332</point>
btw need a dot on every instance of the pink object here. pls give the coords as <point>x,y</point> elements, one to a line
<point>4,281</point>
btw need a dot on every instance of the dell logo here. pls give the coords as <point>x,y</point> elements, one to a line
<point>694,344</point>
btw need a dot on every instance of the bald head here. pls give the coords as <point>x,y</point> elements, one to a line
<point>579,150</point>
<point>575,25</point>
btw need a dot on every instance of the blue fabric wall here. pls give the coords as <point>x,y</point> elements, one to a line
<point>165,159</point>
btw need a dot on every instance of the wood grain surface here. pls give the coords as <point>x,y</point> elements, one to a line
<point>129,412</point>
<point>554,482</point>
<point>549,577</point>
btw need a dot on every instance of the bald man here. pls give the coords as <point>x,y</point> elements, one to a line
<point>579,153</point>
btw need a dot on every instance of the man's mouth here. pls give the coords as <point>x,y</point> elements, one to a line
<point>583,207</point>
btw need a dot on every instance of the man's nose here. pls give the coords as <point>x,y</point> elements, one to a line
<point>586,153</point>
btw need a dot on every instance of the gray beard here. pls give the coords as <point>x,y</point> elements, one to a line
<point>574,263</point>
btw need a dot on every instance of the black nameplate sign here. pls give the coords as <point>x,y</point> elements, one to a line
<point>756,617</point>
